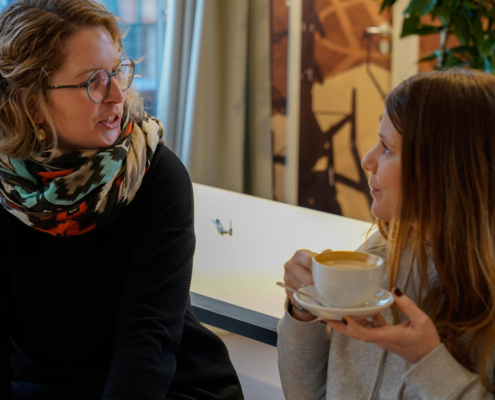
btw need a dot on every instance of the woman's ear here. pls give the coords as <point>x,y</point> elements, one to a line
<point>32,106</point>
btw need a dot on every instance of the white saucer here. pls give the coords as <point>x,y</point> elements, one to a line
<point>380,301</point>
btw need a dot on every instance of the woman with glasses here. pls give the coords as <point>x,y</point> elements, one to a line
<point>96,223</point>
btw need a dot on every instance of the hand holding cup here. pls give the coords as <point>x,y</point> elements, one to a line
<point>298,273</point>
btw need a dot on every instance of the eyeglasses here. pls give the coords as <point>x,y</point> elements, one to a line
<point>98,84</point>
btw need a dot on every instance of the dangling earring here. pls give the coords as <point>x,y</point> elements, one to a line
<point>41,134</point>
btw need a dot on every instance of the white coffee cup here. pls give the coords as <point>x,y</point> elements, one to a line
<point>347,278</point>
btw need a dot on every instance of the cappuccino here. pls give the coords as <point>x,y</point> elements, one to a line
<point>347,264</point>
<point>347,278</point>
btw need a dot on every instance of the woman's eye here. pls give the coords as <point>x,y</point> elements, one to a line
<point>100,78</point>
<point>385,148</point>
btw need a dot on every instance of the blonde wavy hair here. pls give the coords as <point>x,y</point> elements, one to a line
<point>33,35</point>
<point>447,201</point>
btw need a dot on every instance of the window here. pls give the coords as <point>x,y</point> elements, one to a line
<point>145,22</point>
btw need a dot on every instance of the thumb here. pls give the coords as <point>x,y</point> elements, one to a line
<point>327,251</point>
<point>412,312</point>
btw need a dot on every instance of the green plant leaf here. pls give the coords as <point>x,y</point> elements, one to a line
<point>488,13</point>
<point>462,18</point>
<point>477,28</point>
<point>492,58</point>
<point>443,13</point>
<point>470,4</point>
<point>487,46</point>
<point>420,7</point>
<point>431,57</point>
<point>461,29</point>
<point>477,63</point>
<point>412,26</point>
<point>487,65</point>
<point>465,49</point>
<point>452,61</point>
<point>454,3</point>
<point>470,11</point>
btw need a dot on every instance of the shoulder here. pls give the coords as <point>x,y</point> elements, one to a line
<point>166,163</point>
<point>166,185</point>
<point>167,173</point>
<point>375,244</point>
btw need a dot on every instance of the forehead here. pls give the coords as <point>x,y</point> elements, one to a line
<point>388,131</point>
<point>90,47</point>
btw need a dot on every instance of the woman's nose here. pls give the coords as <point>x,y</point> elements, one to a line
<point>368,162</point>
<point>115,94</point>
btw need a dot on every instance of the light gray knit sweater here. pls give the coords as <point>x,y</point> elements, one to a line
<point>315,366</point>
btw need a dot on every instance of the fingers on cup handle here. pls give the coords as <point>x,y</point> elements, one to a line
<point>304,258</point>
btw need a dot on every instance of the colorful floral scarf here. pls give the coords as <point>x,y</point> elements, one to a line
<point>71,194</point>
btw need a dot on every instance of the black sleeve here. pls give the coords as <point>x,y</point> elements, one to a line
<point>5,365</point>
<point>151,315</point>
<point>204,370</point>
<point>151,319</point>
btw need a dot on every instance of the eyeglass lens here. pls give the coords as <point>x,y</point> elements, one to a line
<point>99,83</point>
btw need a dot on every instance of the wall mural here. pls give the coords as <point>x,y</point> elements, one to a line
<point>340,105</point>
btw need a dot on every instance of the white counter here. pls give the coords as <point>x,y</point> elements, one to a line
<point>242,269</point>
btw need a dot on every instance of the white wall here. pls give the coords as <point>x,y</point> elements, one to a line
<point>405,51</point>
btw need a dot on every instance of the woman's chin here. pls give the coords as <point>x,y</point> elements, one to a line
<point>109,138</point>
<point>380,212</point>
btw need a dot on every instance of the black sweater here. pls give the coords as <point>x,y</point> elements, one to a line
<point>107,315</point>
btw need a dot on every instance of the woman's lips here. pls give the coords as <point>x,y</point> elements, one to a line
<point>374,191</point>
<point>114,125</point>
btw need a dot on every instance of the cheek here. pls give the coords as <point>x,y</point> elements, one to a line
<point>393,182</point>
<point>66,110</point>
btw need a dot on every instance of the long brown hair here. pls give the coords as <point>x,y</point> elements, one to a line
<point>447,201</point>
<point>33,34</point>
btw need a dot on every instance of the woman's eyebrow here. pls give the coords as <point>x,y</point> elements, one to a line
<point>95,69</point>
<point>384,139</point>
<point>87,71</point>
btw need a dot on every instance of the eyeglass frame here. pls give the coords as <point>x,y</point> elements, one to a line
<point>110,75</point>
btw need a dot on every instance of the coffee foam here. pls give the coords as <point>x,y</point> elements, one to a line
<point>347,264</point>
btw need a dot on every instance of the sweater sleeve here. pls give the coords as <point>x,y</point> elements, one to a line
<point>439,376</point>
<point>155,294</point>
<point>304,347</point>
<point>303,350</point>
<point>5,365</point>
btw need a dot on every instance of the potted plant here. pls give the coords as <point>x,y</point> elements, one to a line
<point>471,22</point>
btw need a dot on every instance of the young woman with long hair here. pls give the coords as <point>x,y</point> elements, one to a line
<point>432,178</point>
